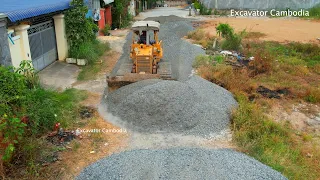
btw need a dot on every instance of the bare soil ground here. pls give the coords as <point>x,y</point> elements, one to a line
<point>92,147</point>
<point>276,29</point>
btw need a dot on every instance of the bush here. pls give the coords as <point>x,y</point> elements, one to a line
<point>106,30</point>
<point>126,21</point>
<point>120,16</point>
<point>232,43</point>
<point>12,92</point>
<point>232,40</point>
<point>26,69</point>
<point>79,29</point>
<point>197,5</point>
<point>12,129</point>
<point>204,10</point>
<point>90,50</point>
<point>224,30</point>
<point>219,59</point>
<point>40,109</point>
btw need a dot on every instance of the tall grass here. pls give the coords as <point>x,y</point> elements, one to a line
<point>272,143</point>
<point>315,12</point>
<point>201,37</point>
<point>92,51</point>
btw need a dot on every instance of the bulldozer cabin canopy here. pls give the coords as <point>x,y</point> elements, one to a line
<point>145,25</point>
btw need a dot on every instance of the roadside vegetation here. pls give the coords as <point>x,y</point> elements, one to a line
<point>27,113</point>
<point>200,37</point>
<point>81,36</point>
<point>203,10</point>
<point>315,12</point>
<point>275,144</point>
<point>289,72</point>
<point>91,51</point>
<point>121,17</point>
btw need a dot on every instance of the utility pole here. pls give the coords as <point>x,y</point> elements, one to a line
<point>216,5</point>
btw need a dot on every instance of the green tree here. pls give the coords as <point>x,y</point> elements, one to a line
<point>79,28</point>
<point>120,15</point>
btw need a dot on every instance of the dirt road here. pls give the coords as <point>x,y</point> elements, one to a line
<point>276,29</point>
<point>173,105</point>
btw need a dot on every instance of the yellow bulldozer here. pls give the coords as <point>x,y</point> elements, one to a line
<point>146,49</point>
<point>145,61</point>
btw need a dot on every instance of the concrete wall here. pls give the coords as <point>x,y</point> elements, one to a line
<point>61,36</point>
<point>5,56</point>
<point>108,15</point>
<point>19,46</point>
<point>132,8</point>
<point>15,49</point>
<point>260,4</point>
<point>22,31</point>
<point>175,3</point>
<point>102,21</point>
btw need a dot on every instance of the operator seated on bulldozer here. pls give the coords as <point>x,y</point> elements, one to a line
<point>146,49</point>
<point>142,39</point>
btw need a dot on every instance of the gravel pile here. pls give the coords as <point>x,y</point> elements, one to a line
<point>180,163</point>
<point>193,107</point>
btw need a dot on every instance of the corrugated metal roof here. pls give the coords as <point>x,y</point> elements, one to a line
<point>17,10</point>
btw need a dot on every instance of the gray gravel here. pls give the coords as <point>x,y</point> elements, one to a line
<point>188,106</point>
<point>179,163</point>
<point>193,107</point>
<point>178,52</point>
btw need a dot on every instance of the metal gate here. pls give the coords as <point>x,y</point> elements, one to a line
<point>42,40</point>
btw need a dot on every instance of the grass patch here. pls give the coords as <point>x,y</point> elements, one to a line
<point>275,66</point>
<point>314,12</point>
<point>207,60</point>
<point>272,143</point>
<point>200,37</point>
<point>91,51</point>
<point>254,35</point>
<point>309,53</point>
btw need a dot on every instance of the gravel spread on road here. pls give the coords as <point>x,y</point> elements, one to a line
<point>193,107</point>
<point>179,163</point>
